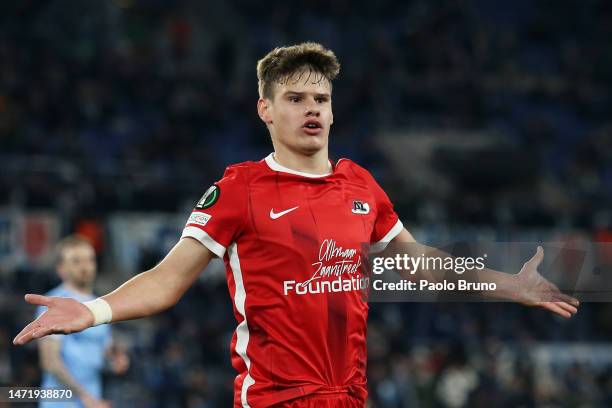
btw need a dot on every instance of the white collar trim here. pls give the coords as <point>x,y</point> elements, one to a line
<point>274,165</point>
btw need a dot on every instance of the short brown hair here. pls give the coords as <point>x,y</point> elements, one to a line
<point>70,241</point>
<point>281,62</point>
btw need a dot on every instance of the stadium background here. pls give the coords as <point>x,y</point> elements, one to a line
<point>481,119</point>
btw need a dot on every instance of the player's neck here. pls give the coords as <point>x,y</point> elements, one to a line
<point>85,291</point>
<point>315,164</point>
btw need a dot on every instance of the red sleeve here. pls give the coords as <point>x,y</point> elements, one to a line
<point>387,225</point>
<point>220,214</point>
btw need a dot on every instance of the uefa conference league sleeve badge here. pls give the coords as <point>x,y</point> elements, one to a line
<point>209,198</point>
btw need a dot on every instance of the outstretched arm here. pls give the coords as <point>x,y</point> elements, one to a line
<point>526,287</point>
<point>145,294</point>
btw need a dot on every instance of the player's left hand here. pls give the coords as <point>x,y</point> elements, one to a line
<point>535,290</point>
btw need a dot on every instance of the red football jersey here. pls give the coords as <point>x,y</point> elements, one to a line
<point>291,243</point>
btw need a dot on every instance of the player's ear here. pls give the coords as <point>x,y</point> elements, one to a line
<point>263,110</point>
<point>61,270</point>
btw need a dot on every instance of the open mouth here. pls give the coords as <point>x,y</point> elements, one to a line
<point>312,127</point>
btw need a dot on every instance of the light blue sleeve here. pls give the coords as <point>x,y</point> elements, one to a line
<point>39,311</point>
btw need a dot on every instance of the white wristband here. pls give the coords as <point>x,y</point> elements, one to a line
<point>101,311</point>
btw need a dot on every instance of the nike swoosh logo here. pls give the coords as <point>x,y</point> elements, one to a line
<point>274,215</point>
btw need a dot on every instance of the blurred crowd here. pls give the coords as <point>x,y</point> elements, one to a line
<point>133,104</point>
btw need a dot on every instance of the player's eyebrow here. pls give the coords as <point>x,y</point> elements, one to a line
<point>316,94</point>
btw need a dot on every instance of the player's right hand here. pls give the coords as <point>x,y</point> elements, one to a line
<point>63,316</point>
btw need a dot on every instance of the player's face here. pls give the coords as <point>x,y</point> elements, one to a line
<point>300,115</point>
<point>78,265</point>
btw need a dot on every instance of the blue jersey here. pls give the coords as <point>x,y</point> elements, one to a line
<point>82,353</point>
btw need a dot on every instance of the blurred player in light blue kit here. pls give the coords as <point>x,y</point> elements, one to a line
<point>77,361</point>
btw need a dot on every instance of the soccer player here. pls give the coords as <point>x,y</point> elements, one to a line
<point>289,228</point>
<point>76,361</point>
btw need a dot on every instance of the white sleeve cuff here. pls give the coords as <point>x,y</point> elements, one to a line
<point>204,239</point>
<point>393,232</point>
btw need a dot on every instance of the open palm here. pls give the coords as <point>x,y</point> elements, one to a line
<point>535,290</point>
<point>63,316</point>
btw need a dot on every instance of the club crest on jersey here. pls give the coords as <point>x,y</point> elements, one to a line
<point>209,198</point>
<point>360,207</point>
